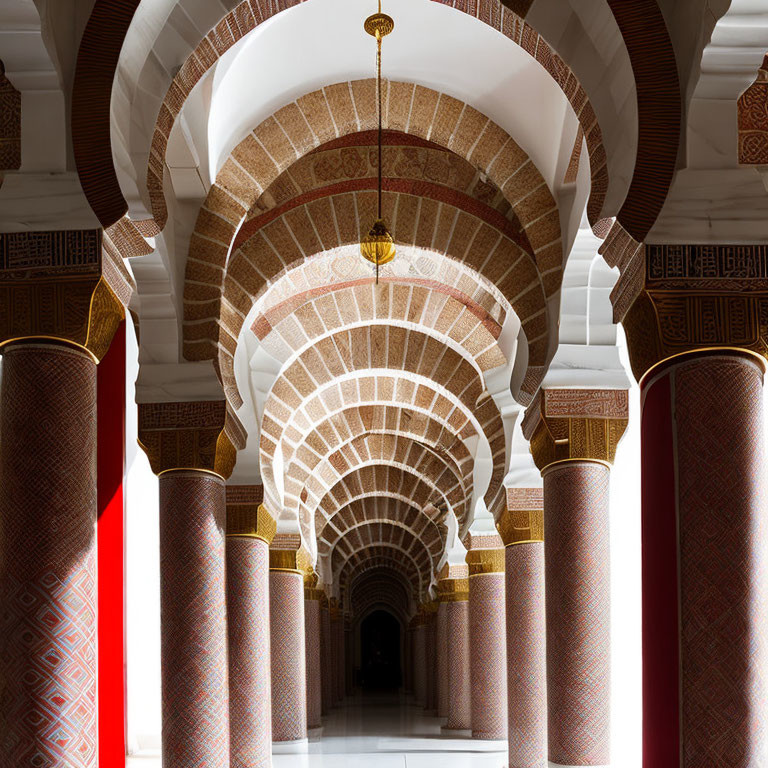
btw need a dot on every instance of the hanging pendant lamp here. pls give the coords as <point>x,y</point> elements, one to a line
<point>377,246</point>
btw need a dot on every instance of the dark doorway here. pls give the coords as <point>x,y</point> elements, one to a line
<point>380,652</point>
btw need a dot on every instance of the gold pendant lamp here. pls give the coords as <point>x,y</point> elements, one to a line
<point>377,246</point>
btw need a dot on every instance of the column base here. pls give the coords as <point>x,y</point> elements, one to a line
<point>298,746</point>
<point>456,733</point>
<point>564,765</point>
<point>315,734</point>
<point>491,740</point>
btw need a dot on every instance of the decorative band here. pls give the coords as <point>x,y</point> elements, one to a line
<point>484,561</point>
<point>287,560</point>
<point>521,526</point>
<point>251,520</point>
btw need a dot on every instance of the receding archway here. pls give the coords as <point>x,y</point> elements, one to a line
<point>380,657</point>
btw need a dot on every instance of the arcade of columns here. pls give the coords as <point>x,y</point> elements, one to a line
<point>366,487</point>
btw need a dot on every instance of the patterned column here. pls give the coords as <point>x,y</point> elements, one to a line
<point>60,310</point>
<point>487,630</point>
<point>312,640</point>
<point>192,447</point>
<point>250,529</point>
<point>574,435</point>
<point>48,557</point>
<point>349,657</point>
<point>705,654</point>
<point>522,531</point>
<point>333,649</point>
<point>442,658</point>
<point>453,593</point>
<point>325,651</point>
<point>419,660</point>
<point>341,663</point>
<point>430,657</point>
<point>289,671</point>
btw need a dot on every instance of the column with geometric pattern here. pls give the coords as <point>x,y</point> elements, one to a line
<point>312,639</point>
<point>325,654</point>
<point>430,656</point>
<point>250,529</point>
<point>47,557</point>
<point>522,530</point>
<point>419,660</point>
<point>453,594</point>
<point>192,447</point>
<point>487,630</point>
<point>574,435</point>
<point>287,567</point>
<point>442,658</point>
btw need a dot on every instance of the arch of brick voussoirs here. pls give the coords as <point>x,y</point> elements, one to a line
<point>408,163</point>
<point>446,430</point>
<point>377,584</point>
<point>384,447</point>
<point>372,509</point>
<point>347,108</point>
<point>365,479</point>
<point>278,420</point>
<point>471,251</point>
<point>468,327</point>
<point>367,540</point>
<point>378,555</point>
<point>348,578</point>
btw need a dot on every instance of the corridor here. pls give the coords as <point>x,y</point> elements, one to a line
<point>382,730</point>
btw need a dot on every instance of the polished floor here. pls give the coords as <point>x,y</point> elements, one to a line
<point>383,731</point>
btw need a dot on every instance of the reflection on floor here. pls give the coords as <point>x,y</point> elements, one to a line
<point>384,731</point>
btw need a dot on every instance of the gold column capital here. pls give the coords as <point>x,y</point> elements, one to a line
<point>521,526</point>
<point>482,562</point>
<point>288,554</point>
<point>576,425</point>
<point>453,590</point>
<point>680,299</point>
<point>248,518</point>
<point>61,286</point>
<point>200,435</point>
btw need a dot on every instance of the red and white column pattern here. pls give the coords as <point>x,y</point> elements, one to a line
<point>430,657</point>
<point>333,660</point>
<point>250,529</point>
<point>419,659</point>
<point>288,655</point>
<point>705,674</point>
<point>522,530</point>
<point>349,657</point>
<point>312,640</point>
<point>442,658</point>
<point>487,628</point>
<point>193,620</point>
<point>341,660</point>
<point>453,593</point>
<point>578,594</point>
<point>325,654</point>
<point>48,557</point>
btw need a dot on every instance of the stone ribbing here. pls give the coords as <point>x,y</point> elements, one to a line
<point>47,557</point>
<point>578,612</point>
<point>488,655</point>
<point>313,632</point>
<point>718,411</point>
<point>250,711</point>
<point>195,696</point>
<point>526,656</point>
<point>459,680</point>
<point>442,650</point>
<point>289,673</point>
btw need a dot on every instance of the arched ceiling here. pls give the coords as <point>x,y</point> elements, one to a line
<point>376,412</point>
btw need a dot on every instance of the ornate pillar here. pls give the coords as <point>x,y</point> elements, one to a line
<point>349,656</point>
<point>430,656</point>
<point>695,318</point>
<point>453,595</point>
<point>488,663</point>
<point>326,678</point>
<point>441,650</point>
<point>419,659</point>
<point>333,648</point>
<point>192,447</point>
<point>250,529</point>
<point>287,566</point>
<point>574,434</point>
<point>522,530</point>
<point>341,662</point>
<point>56,321</point>
<point>312,641</point>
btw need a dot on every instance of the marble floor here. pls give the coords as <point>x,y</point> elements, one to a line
<point>383,731</point>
